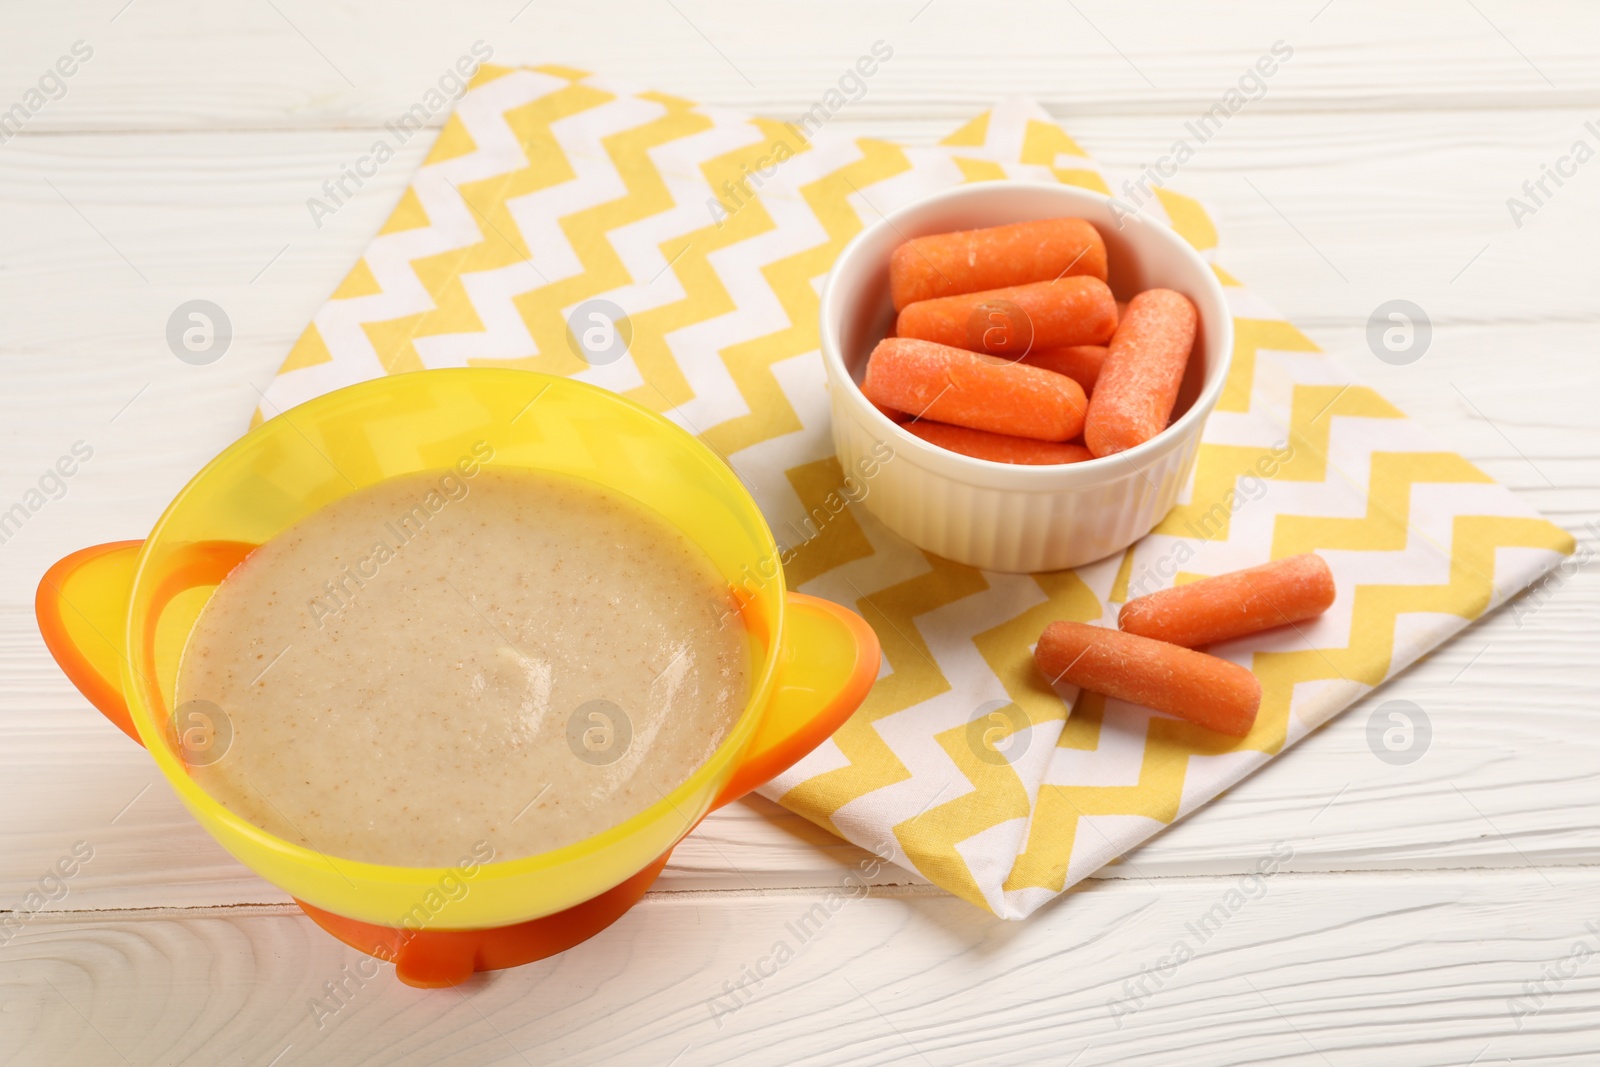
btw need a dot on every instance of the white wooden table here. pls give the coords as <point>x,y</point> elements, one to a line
<point>1443,912</point>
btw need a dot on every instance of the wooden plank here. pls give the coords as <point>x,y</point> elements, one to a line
<point>294,64</point>
<point>1290,969</point>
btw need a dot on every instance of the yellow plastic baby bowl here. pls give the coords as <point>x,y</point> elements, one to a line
<point>117,616</point>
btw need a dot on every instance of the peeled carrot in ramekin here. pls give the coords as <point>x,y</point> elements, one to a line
<point>969,261</point>
<point>969,389</point>
<point>999,447</point>
<point>1139,382</point>
<point>1207,690</point>
<point>1070,311</point>
<point>1081,363</point>
<point>1233,605</point>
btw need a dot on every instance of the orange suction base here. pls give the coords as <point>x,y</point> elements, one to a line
<point>432,959</point>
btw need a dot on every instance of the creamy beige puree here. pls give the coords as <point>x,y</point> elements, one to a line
<point>437,661</point>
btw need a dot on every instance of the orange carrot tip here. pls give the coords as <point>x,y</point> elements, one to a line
<point>976,391</point>
<point>1232,605</point>
<point>997,447</point>
<point>1206,690</point>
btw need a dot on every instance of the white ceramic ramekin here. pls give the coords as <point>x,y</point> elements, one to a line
<point>1001,516</point>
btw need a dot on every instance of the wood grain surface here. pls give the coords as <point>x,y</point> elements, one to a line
<point>1437,913</point>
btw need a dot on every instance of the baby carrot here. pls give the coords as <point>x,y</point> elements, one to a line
<point>1138,385</point>
<point>972,390</point>
<point>1071,311</point>
<point>999,447</point>
<point>1208,691</point>
<point>1233,605</point>
<point>1081,363</point>
<point>969,261</point>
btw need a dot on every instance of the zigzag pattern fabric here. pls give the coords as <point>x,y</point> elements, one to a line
<point>714,231</point>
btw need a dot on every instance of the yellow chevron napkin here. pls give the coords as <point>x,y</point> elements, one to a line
<point>712,232</point>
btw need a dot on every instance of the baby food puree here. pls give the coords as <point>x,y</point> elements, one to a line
<point>436,662</point>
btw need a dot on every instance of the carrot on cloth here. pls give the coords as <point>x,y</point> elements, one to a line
<point>1139,382</point>
<point>968,261</point>
<point>1207,690</point>
<point>999,447</point>
<point>1077,310</point>
<point>969,389</point>
<point>1232,605</point>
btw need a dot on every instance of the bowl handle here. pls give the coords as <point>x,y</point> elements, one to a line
<point>828,662</point>
<point>82,607</point>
